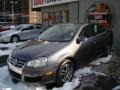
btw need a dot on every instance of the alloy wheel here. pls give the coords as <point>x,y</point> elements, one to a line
<point>66,72</point>
<point>14,39</point>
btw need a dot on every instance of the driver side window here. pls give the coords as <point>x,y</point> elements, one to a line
<point>87,32</point>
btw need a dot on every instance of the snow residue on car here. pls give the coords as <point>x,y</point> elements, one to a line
<point>102,60</point>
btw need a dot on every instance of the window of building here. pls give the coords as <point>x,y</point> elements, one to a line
<point>51,18</point>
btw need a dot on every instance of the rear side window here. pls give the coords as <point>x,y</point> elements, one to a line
<point>98,29</point>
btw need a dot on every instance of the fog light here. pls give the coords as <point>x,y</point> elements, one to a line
<point>49,73</point>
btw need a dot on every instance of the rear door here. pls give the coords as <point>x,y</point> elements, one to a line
<point>27,32</point>
<point>100,38</point>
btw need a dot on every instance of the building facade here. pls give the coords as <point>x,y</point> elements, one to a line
<point>18,11</point>
<point>57,11</point>
<point>15,11</point>
<point>35,17</point>
<point>104,12</point>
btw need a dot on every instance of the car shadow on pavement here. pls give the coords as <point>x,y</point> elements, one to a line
<point>3,60</point>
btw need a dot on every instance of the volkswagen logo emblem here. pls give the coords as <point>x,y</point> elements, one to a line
<point>14,61</point>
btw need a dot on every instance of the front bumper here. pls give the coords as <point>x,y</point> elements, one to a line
<point>26,76</point>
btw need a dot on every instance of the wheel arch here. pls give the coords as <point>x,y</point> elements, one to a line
<point>72,59</point>
<point>14,35</point>
<point>65,60</point>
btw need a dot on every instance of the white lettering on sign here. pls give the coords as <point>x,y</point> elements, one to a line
<point>98,17</point>
<point>99,21</point>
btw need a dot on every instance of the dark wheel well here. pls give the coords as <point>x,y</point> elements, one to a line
<point>65,59</point>
<point>70,58</point>
<point>14,36</point>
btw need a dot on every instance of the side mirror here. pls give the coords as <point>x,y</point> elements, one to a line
<point>80,39</point>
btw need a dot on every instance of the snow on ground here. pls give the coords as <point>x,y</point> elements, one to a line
<point>102,60</point>
<point>116,88</point>
<point>6,52</point>
<point>9,47</point>
<point>77,78</point>
<point>6,82</point>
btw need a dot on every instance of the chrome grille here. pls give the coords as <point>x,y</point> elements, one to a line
<point>17,62</point>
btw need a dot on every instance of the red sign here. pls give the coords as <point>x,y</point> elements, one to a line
<point>38,2</point>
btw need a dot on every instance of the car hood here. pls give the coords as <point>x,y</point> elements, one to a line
<point>35,49</point>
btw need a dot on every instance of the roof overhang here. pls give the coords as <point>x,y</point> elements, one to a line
<point>52,3</point>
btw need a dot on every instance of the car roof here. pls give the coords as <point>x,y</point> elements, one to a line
<point>71,24</point>
<point>25,24</point>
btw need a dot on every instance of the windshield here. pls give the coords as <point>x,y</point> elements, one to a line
<point>18,27</point>
<point>62,32</point>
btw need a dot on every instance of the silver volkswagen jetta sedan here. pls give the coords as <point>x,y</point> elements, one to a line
<point>58,52</point>
<point>21,32</point>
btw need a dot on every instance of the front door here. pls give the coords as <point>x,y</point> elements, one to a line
<point>87,47</point>
<point>27,33</point>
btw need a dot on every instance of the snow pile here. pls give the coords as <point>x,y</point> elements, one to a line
<point>6,82</point>
<point>69,85</point>
<point>9,47</point>
<point>77,78</point>
<point>87,71</point>
<point>116,88</point>
<point>6,52</point>
<point>102,60</point>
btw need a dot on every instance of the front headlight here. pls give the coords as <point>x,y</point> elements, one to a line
<point>40,62</point>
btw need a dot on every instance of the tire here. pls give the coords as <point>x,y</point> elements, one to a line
<point>65,72</point>
<point>14,39</point>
